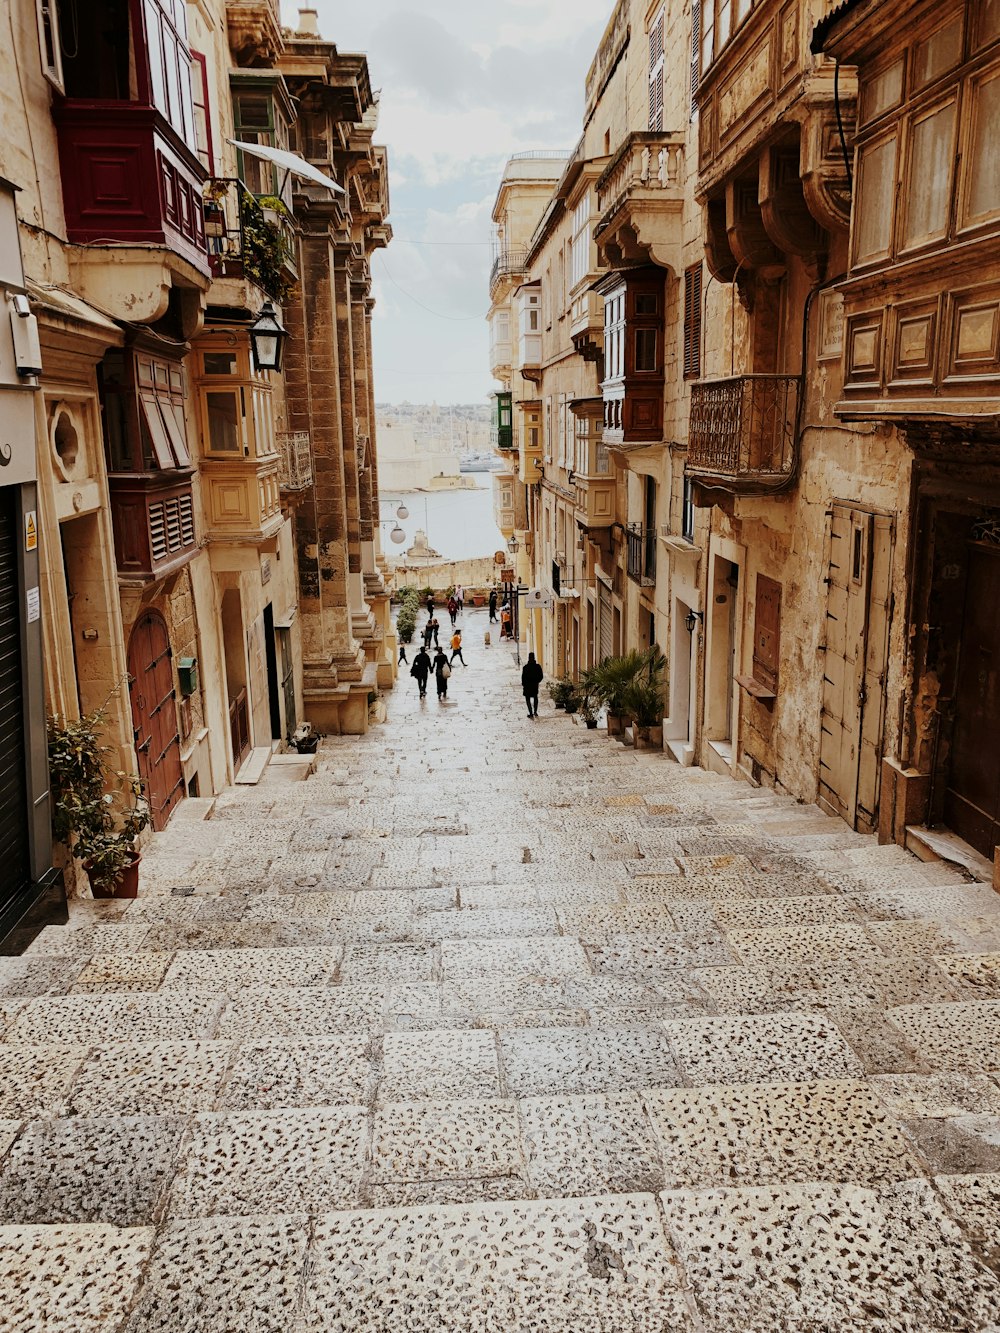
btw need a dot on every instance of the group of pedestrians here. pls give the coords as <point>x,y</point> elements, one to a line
<point>440,664</point>
<point>505,618</point>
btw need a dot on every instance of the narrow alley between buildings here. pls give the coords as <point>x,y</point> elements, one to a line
<point>495,1024</point>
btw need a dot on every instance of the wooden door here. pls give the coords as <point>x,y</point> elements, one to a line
<point>859,582</point>
<point>972,796</point>
<point>154,716</point>
<point>287,679</point>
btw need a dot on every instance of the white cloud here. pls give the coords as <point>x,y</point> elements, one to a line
<point>464,84</point>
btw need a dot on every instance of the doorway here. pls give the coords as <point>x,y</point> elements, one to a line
<point>236,675</point>
<point>972,792</point>
<point>273,686</point>
<point>15,867</point>
<point>287,679</point>
<point>721,669</point>
<point>859,579</point>
<point>154,716</point>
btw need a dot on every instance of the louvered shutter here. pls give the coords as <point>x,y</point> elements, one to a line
<point>656,73</point>
<point>695,49</point>
<point>692,322</point>
<point>15,874</point>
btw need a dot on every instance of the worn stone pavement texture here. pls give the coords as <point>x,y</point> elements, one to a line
<point>495,1025</point>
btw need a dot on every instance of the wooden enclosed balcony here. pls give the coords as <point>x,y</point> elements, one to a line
<point>153,518</point>
<point>128,178</point>
<point>295,464</point>
<point>242,499</point>
<point>742,435</point>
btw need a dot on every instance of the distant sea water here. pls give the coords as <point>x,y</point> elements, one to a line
<point>459,524</point>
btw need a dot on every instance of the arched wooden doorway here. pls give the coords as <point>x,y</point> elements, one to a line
<point>154,716</point>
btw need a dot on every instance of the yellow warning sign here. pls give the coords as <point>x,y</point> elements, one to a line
<point>30,531</point>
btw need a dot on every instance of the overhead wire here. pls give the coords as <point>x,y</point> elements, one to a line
<point>457,319</point>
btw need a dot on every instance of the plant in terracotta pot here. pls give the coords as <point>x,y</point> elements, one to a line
<point>644,701</point>
<point>609,681</point>
<point>98,811</point>
<point>573,698</point>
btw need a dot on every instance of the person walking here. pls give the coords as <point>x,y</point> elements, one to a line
<point>453,609</point>
<point>420,670</point>
<point>441,672</point>
<point>531,678</point>
<point>460,597</point>
<point>428,632</point>
<point>435,627</point>
<point>402,653</point>
<point>430,604</point>
<point>456,648</point>
<point>493,604</point>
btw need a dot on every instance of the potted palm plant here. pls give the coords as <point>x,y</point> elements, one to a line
<point>98,811</point>
<point>561,692</point>
<point>644,700</point>
<point>610,680</point>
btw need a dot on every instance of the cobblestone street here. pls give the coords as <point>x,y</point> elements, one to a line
<point>494,1024</point>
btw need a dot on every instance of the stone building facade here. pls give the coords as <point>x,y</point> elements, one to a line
<point>209,557</point>
<point>799,393</point>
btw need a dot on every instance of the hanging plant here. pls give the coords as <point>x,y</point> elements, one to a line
<point>265,250</point>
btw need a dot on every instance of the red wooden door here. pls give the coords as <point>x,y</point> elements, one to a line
<point>154,716</point>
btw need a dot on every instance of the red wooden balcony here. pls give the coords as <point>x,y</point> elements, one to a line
<point>128,178</point>
<point>153,517</point>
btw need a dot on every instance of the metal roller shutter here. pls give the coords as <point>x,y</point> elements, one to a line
<point>14,852</point>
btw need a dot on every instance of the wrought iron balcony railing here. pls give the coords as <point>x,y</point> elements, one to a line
<point>641,555</point>
<point>742,430</point>
<point>508,264</point>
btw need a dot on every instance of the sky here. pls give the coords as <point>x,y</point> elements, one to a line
<point>464,84</point>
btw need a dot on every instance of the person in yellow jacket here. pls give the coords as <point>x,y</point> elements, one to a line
<point>456,648</point>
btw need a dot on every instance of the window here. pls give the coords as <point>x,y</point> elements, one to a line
<point>614,335</point>
<point>931,155</point>
<point>767,632</point>
<point>170,65</point>
<point>656,73</point>
<point>940,52</point>
<point>875,191</point>
<point>692,322</point>
<point>687,511</point>
<point>258,120</point>
<point>49,42</point>
<point>882,92</point>
<point>695,51</point>
<point>143,401</point>
<point>225,421</point>
<point>982,166</point>
<point>645,349</point>
<point>202,114</point>
<point>581,240</point>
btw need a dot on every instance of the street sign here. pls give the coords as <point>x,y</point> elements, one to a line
<point>538,598</point>
<point>499,557</point>
<point>506,576</point>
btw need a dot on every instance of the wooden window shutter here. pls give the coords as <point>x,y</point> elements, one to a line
<point>656,54</point>
<point>767,631</point>
<point>695,49</point>
<point>692,322</point>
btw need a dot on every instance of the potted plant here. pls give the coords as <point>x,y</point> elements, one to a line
<point>609,681</point>
<point>98,811</point>
<point>589,706</point>
<point>572,698</point>
<point>644,700</point>
<point>560,691</point>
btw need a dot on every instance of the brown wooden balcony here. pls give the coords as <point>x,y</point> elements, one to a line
<point>128,178</point>
<point>153,518</point>
<point>242,499</point>
<point>742,434</point>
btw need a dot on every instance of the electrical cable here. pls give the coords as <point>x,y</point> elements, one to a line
<point>457,319</point>
<point>840,126</point>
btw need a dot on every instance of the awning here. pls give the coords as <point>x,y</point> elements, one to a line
<point>281,157</point>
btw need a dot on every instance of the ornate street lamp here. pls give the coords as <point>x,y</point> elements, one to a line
<point>402,512</point>
<point>513,545</point>
<point>267,337</point>
<point>397,535</point>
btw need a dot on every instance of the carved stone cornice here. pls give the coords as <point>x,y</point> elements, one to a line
<point>254,28</point>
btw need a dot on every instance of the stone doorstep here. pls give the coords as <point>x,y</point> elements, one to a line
<point>941,844</point>
<point>252,769</point>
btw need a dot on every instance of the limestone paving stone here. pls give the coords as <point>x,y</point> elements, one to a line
<point>180,1016</point>
<point>9,1130</point>
<point>775,945</point>
<point>778,1132</point>
<point>245,1163</point>
<point>222,1275</point>
<point>34,976</point>
<point>551,1266</point>
<point>601,1143</point>
<point>438,1066</point>
<point>812,910</point>
<point>36,1080</point>
<point>909,1096</point>
<point>963,1037</point>
<point>543,1062</point>
<point>475,995</point>
<point>878,1043</point>
<point>822,1256</point>
<point>69,1279</point>
<point>150,1078</point>
<point>312,1012</point>
<point>600,925</point>
<point>234,970</point>
<point>558,957</point>
<point>960,1144</point>
<point>931,902</point>
<point>792,1047</point>
<point>485,922</point>
<point>387,963</point>
<point>975,976</point>
<point>649,957</point>
<point>974,1202</point>
<point>82,941</point>
<point>336,1071</point>
<point>103,1169</point>
<point>435,1141</point>
<point>121,972</point>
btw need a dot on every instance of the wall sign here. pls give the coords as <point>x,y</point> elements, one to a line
<point>30,531</point>
<point>34,605</point>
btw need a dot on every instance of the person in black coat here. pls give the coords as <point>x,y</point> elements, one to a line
<point>441,671</point>
<point>493,604</point>
<point>420,670</point>
<point>531,678</point>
